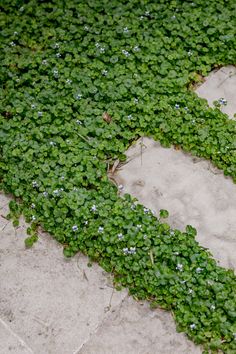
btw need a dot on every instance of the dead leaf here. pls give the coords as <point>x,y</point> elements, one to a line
<point>106,117</point>
<point>114,167</point>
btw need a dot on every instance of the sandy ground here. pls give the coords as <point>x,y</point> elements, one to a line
<point>50,305</point>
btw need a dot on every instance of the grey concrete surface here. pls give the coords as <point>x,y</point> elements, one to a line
<point>221,84</point>
<point>191,189</point>
<point>50,305</point>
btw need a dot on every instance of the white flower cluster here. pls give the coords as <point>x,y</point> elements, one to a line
<point>120,236</point>
<point>132,250</point>
<point>125,52</point>
<point>179,267</point>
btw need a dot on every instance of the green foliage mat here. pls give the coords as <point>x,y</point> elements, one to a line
<point>63,65</point>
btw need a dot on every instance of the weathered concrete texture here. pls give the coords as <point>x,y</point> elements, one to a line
<point>135,329</point>
<point>191,189</point>
<point>50,305</point>
<point>10,343</point>
<point>221,84</point>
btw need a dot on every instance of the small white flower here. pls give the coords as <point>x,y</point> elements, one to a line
<point>136,48</point>
<point>56,192</point>
<point>146,210</point>
<point>32,206</point>
<point>102,50</point>
<point>13,44</point>
<point>133,206</point>
<point>56,46</point>
<point>136,100</point>
<point>193,121</point>
<point>52,143</point>
<point>78,96</point>
<point>212,307</point>
<point>129,116</point>
<point>15,33</point>
<point>58,55</point>
<point>55,72</point>
<point>44,62</point>
<point>104,72</point>
<point>97,45</point>
<point>75,189</point>
<point>190,53</point>
<point>94,208</point>
<point>100,229</point>
<point>190,291</point>
<point>78,122</point>
<point>177,106</point>
<point>192,326</point>
<point>34,184</point>
<point>86,222</point>
<point>33,218</point>
<point>125,52</point>
<point>121,187</point>
<point>222,101</point>
<point>199,270</point>
<point>139,226</point>
<point>132,250</point>
<point>86,28</point>
<point>126,250</point>
<point>126,30</point>
<point>120,236</point>
<point>62,177</point>
<point>147,13</point>
<point>172,233</point>
<point>61,189</point>
<point>144,236</point>
<point>173,17</point>
<point>33,106</point>
<point>45,194</point>
<point>68,81</point>
<point>141,17</point>
<point>179,267</point>
<point>176,253</point>
<point>75,228</point>
<point>186,108</point>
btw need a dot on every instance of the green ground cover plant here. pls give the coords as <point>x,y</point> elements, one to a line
<point>82,80</point>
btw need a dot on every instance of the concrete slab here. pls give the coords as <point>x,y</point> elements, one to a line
<point>221,84</point>
<point>191,189</point>
<point>53,304</point>
<point>135,329</point>
<point>56,306</point>
<point>10,342</point>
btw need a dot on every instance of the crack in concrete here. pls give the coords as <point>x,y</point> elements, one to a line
<point>22,342</point>
<point>105,318</point>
